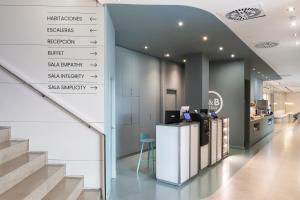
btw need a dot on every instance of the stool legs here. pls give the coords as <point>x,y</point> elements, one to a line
<point>140,158</point>
<point>153,159</point>
<point>149,149</point>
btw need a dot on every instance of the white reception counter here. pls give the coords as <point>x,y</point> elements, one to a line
<point>177,152</point>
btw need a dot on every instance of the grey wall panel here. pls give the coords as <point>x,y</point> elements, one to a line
<point>205,81</point>
<point>172,77</point>
<point>256,87</point>
<point>197,81</point>
<point>137,98</point>
<point>149,94</point>
<point>227,78</point>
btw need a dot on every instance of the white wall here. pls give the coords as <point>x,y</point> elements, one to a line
<point>49,129</point>
<point>279,103</point>
<point>294,99</point>
<point>24,50</point>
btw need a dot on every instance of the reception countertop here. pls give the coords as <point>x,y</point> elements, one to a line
<point>260,127</point>
<point>179,124</point>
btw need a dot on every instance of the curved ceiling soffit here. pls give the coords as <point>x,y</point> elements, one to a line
<point>201,9</point>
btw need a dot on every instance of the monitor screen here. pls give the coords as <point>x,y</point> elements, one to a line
<point>172,117</point>
<point>187,116</point>
<point>205,111</point>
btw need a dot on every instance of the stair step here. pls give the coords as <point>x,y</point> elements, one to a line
<point>67,189</point>
<point>12,149</point>
<point>37,185</point>
<point>90,195</point>
<point>4,134</point>
<point>14,171</point>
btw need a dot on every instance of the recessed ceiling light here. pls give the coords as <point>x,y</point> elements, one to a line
<point>205,38</point>
<point>180,23</point>
<point>184,60</point>
<point>167,55</point>
<point>258,72</point>
<point>146,47</point>
<point>253,68</point>
<point>293,23</point>
<point>232,55</point>
<point>298,43</point>
<point>291,9</point>
<point>221,48</point>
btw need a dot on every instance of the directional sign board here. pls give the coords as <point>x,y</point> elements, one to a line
<point>59,46</point>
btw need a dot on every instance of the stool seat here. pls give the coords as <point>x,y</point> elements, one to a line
<point>149,140</point>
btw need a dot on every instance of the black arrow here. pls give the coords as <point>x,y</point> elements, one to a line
<point>95,65</point>
<point>93,30</point>
<point>95,76</point>
<point>95,87</point>
<point>94,42</point>
<point>93,18</point>
<point>94,53</point>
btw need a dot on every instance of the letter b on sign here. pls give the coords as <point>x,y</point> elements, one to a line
<point>216,102</point>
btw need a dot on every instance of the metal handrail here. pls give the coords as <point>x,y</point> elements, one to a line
<point>91,126</point>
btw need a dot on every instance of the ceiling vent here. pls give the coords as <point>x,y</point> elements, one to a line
<point>246,13</point>
<point>266,45</point>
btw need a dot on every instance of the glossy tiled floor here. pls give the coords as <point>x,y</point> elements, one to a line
<point>144,187</point>
<point>272,174</point>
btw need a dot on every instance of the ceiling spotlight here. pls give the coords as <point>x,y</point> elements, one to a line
<point>180,23</point>
<point>293,23</point>
<point>253,68</point>
<point>298,43</point>
<point>291,9</point>
<point>146,47</point>
<point>184,60</point>
<point>221,48</point>
<point>295,34</point>
<point>167,55</point>
<point>232,56</point>
<point>205,38</point>
<point>258,72</point>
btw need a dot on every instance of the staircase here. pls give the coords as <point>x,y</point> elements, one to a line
<point>27,176</point>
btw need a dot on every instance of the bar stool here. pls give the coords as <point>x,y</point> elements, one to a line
<point>146,140</point>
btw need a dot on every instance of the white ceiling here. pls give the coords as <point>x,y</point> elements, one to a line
<point>275,26</point>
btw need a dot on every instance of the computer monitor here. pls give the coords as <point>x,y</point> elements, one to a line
<point>205,111</point>
<point>172,116</point>
<point>184,109</point>
<point>187,117</point>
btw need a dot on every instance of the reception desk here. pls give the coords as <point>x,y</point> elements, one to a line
<point>260,127</point>
<point>177,152</point>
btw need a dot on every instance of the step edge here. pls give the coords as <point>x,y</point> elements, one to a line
<point>17,152</point>
<point>46,185</point>
<point>39,155</point>
<point>40,161</point>
<point>75,192</point>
